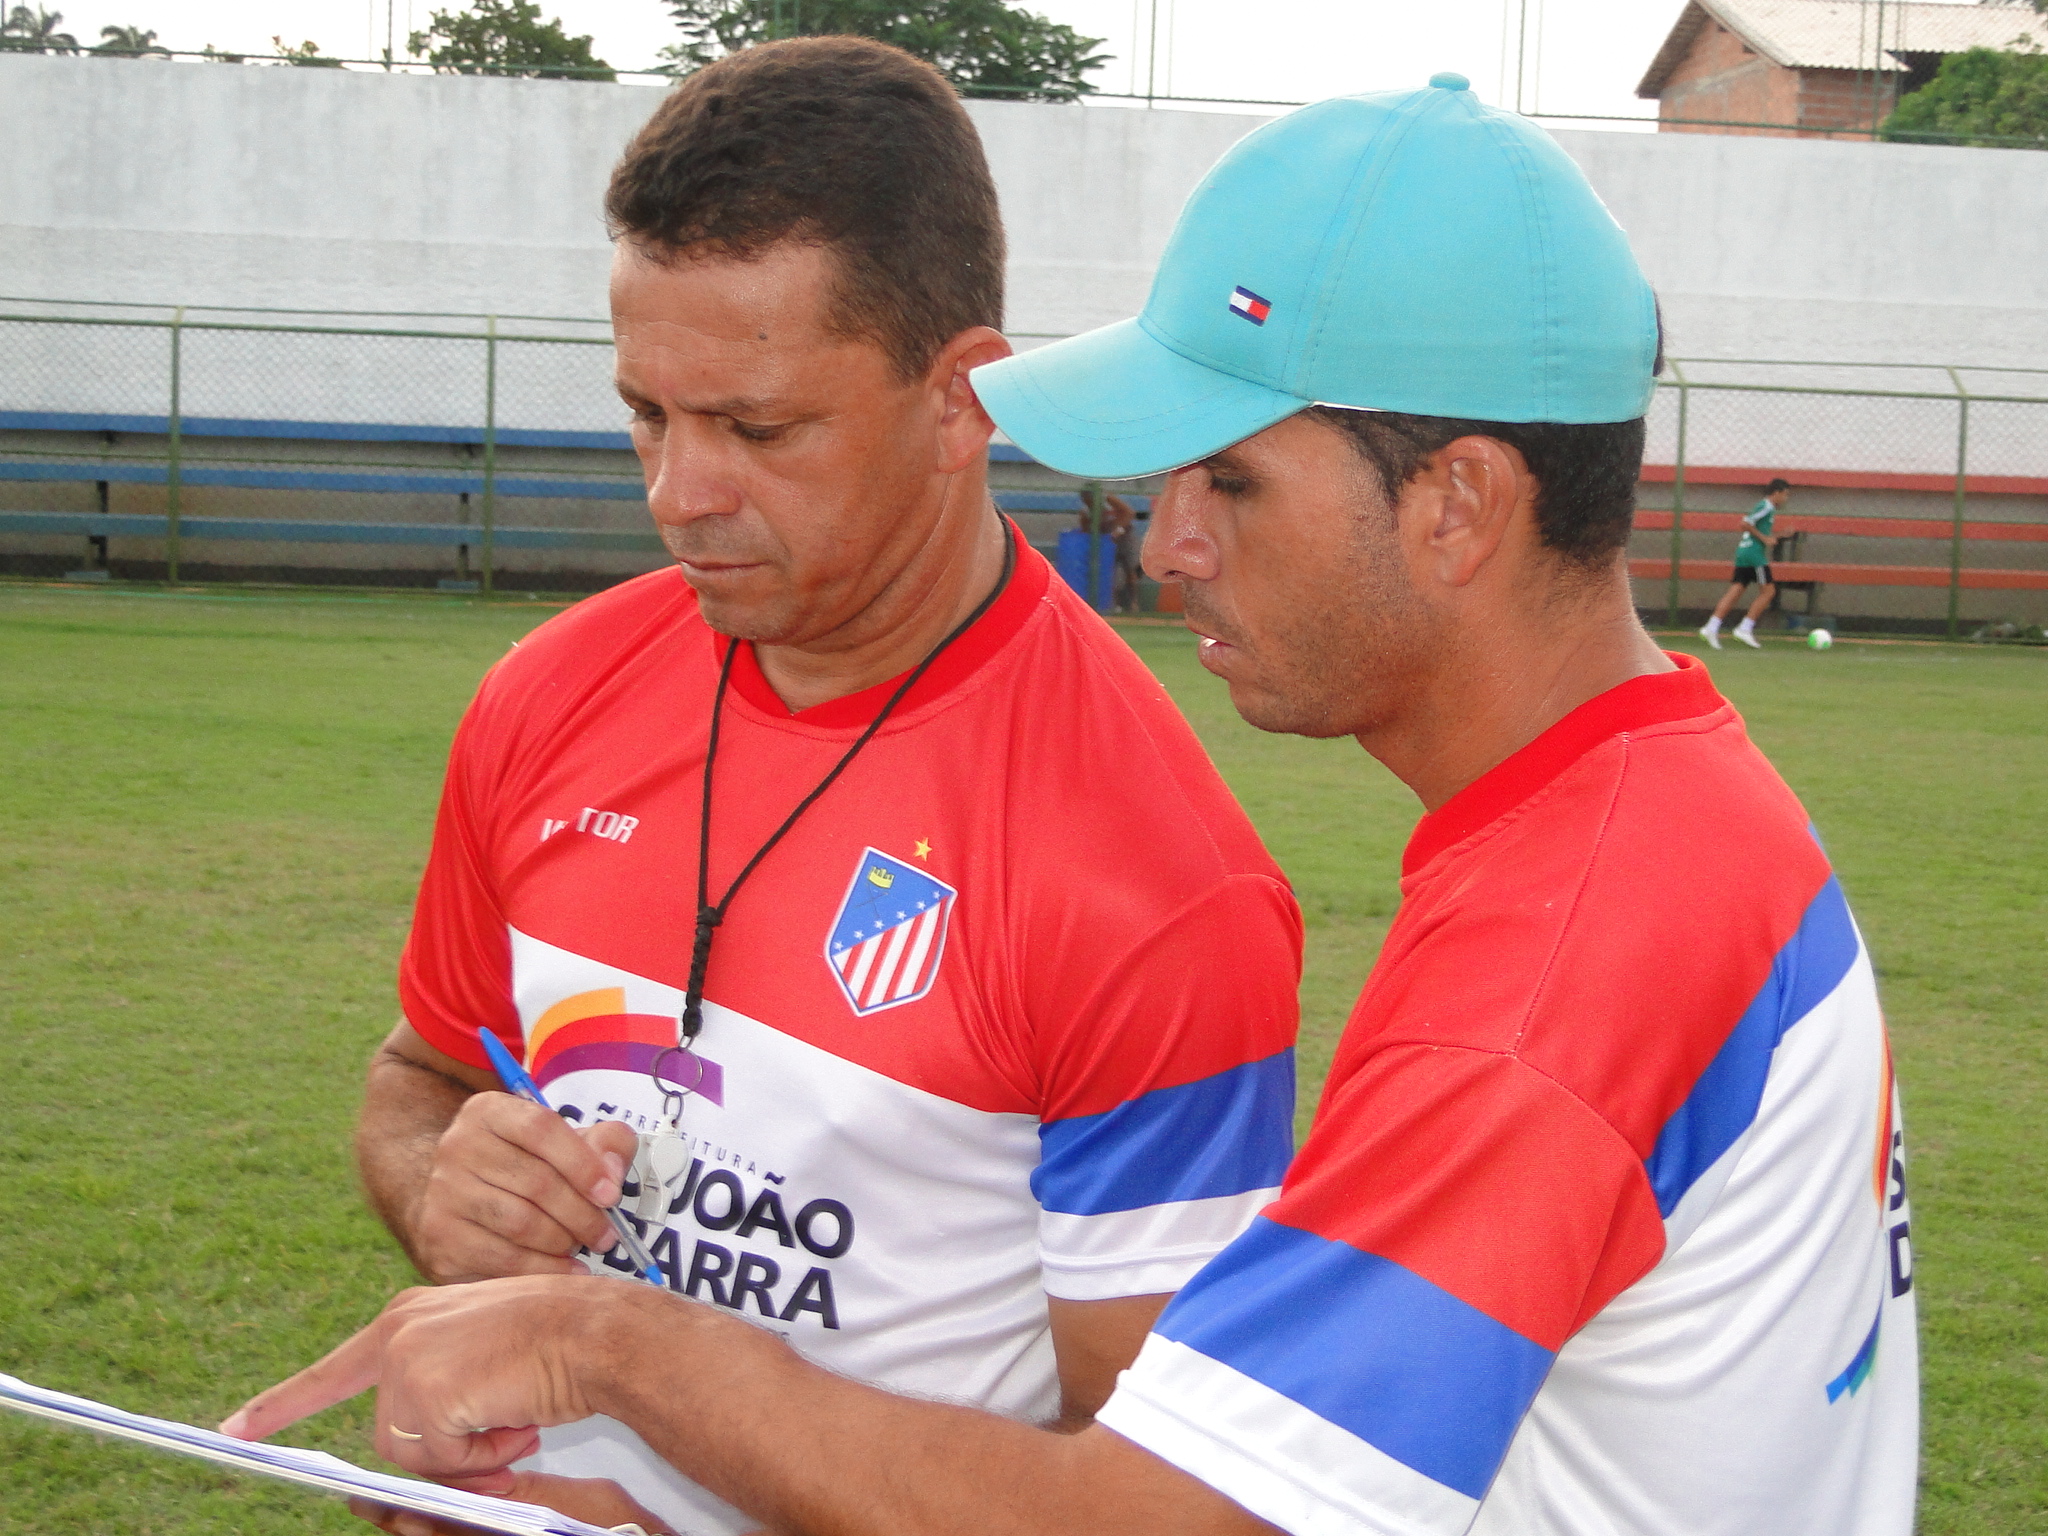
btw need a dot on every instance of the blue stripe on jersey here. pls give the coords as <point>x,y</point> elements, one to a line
<point>1724,1100</point>
<point>1219,1135</point>
<point>1365,1344</point>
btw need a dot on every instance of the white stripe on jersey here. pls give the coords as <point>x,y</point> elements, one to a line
<point>862,960</point>
<point>1202,1416</point>
<point>913,967</point>
<point>886,971</point>
<point>1145,1252</point>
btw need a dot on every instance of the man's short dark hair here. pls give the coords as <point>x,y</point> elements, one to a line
<point>1585,475</point>
<point>1776,486</point>
<point>838,141</point>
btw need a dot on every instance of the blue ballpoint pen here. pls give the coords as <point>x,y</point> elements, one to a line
<point>514,1077</point>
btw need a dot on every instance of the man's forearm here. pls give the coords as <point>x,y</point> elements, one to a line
<point>810,1453</point>
<point>459,1369</point>
<point>405,1112</point>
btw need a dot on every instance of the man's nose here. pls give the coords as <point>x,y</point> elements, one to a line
<point>1177,546</point>
<point>688,477</point>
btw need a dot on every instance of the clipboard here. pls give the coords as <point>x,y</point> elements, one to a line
<point>309,1469</point>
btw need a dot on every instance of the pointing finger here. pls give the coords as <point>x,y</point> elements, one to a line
<point>337,1376</point>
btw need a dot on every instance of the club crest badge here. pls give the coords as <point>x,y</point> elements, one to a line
<point>890,933</point>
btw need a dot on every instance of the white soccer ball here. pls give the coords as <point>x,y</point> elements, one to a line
<point>1819,639</point>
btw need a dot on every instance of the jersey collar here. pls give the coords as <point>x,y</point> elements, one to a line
<point>1640,702</point>
<point>961,660</point>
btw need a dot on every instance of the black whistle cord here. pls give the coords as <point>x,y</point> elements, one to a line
<point>709,916</point>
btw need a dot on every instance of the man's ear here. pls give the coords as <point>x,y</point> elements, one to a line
<point>964,427</point>
<point>1461,506</point>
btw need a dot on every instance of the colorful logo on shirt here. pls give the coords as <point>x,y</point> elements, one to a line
<point>889,934</point>
<point>593,1032</point>
<point>1888,1181</point>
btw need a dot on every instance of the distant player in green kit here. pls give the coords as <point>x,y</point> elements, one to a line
<point>1752,563</point>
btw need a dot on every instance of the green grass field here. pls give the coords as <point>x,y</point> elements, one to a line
<point>215,809</point>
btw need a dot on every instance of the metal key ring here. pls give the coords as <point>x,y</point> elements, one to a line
<point>674,1094</point>
<point>677,1086</point>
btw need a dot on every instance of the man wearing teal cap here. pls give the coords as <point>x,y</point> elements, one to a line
<point>1602,1223</point>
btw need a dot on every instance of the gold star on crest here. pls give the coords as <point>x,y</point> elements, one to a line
<point>924,849</point>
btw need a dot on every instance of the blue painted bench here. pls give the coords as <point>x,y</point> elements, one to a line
<point>417,482</point>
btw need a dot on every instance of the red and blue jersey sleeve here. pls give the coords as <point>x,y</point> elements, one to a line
<point>1366,1351</point>
<point>1363,1357</point>
<point>1545,1080</point>
<point>1168,1096</point>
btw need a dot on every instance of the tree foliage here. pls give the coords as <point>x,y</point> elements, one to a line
<point>306,55</point>
<point>1982,96</point>
<point>506,37</point>
<point>35,31</point>
<point>985,47</point>
<point>128,43</point>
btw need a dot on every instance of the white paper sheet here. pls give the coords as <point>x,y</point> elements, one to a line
<point>313,1469</point>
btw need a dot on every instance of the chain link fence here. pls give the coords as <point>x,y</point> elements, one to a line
<point>494,443</point>
<point>480,449</point>
<point>1919,491</point>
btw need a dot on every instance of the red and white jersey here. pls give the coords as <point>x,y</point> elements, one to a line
<point>1010,1013</point>
<point>1601,1229</point>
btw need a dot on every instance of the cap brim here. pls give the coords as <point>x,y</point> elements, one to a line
<point>1116,403</point>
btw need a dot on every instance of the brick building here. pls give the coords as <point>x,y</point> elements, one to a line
<point>1798,68</point>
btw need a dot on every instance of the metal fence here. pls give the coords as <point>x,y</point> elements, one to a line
<point>499,438</point>
<point>1895,448</point>
<point>259,426</point>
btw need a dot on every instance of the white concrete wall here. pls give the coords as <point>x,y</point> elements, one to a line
<point>1807,249</point>
<point>1090,195</point>
<point>209,184</point>
<point>216,184</point>
<point>323,188</point>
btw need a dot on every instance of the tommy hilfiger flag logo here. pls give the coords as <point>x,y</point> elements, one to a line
<point>890,933</point>
<point>1255,309</point>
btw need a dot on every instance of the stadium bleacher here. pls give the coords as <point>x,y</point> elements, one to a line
<point>480,483</point>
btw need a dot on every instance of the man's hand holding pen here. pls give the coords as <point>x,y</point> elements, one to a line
<point>514,1190</point>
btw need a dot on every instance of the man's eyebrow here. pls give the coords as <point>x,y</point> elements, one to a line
<point>746,408</point>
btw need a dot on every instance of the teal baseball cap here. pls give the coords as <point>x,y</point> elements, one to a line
<point>1410,251</point>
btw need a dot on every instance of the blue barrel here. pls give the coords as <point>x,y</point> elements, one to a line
<point>1073,564</point>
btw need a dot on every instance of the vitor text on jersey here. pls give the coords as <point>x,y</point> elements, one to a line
<point>612,826</point>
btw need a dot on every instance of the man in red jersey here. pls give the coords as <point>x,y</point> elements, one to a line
<point>786,873</point>
<point>1602,1224</point>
